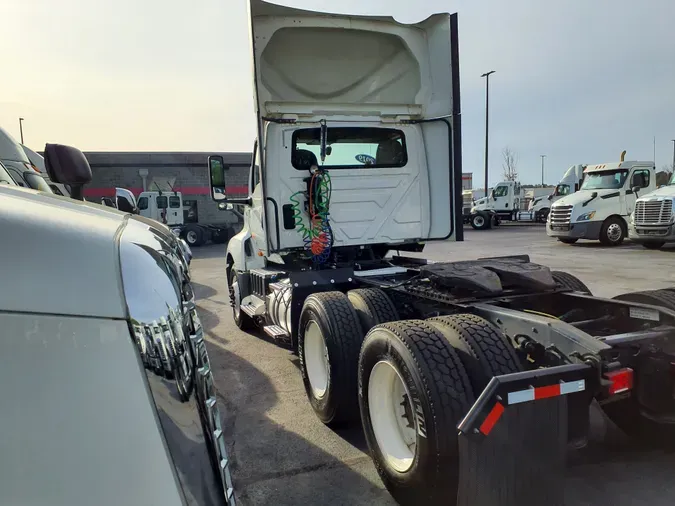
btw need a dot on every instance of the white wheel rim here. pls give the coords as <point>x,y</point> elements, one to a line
<point>614,232</point>
<point>392,416</point>
<point>191,237</point>
<point>479,221</point>
<point>237,297</point>
<point>316,359</point>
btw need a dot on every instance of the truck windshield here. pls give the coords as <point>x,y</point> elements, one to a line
<point>605,179</point>
<point>562,189</point>
<point>672,180</point>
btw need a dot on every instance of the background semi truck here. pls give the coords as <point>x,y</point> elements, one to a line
<point>652,222</point>
<point>501,351</point>
<point>601,208</point>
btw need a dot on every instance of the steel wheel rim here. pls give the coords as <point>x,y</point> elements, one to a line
<point>236,302</point>
<point>391,416</point>
<point>614,232</point>
<point>479,221</point>
<point>316,360</point>
<point>191,236</point>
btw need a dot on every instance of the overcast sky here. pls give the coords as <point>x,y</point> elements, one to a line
<point>576,80</point>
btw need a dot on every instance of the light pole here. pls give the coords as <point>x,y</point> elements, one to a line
<point>487,115</point>
<point>21,128</point>
<point>673,167</point>
<point>542,170</point>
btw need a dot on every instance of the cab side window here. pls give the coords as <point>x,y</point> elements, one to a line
<point>640,178</point>
<point>501,191</point>
<point>143,203</point>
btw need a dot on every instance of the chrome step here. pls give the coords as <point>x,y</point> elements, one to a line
<point>279,286</point>
<point>254,306</point>
<point>276,332</point>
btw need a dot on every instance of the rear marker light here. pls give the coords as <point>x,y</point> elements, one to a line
<point>622,381</point>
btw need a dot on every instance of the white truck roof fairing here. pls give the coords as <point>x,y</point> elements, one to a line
<point>318,64</point>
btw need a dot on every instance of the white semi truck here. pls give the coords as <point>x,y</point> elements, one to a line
<point>359,155</point>
<point>601,207</point>
<point>652,222</point>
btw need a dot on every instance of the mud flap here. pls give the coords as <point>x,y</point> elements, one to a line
<point>513,441</point>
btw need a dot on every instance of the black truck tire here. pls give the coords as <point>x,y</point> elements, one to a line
<point>193,235</point>
<point>613,231</point>
<point>373,306</point>
<point>481,221</point>
<point>241,319</point>
<point>427,375</point>
<point>568,240</point>
<point>567,280</point>
<point>329,340</point>
<point>484,350</point>
<point>664,298</point>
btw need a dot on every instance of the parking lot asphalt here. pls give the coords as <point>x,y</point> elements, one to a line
<point>281,454</point>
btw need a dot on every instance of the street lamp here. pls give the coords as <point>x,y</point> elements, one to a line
<point>487,111</point>
<point>21,128</point>
<point>673,167</point>
<point>542,170</point>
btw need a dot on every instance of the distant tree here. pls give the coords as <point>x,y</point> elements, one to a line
<point>510,164</point>
<point>662,177</point>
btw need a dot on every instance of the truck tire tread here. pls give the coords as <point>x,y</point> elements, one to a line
<point>343,336</point>
<point>445,392</point>
<point>489,351</point>
<point>373,306</point>
<point>570,281</point>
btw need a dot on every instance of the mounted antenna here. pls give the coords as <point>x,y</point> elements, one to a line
<point>324,139</point>
<point>172,188</point>
<point>158,189</point>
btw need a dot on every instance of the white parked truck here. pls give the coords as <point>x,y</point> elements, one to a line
<point>502,203</point>
<point>652,222</point>
<point>166,207</point>
<point>601,207</point>
<point>487,365</point>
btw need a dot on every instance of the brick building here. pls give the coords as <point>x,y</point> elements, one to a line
<point>186,172</point>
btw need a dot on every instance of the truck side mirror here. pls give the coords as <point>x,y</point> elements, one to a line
<point>636,189</point>
<point>550,196</point>
<point>217,170</point>
<point>492,195</point>
<point>68,165</point>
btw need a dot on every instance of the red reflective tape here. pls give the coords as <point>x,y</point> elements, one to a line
<point>493,416</point>
<point>546,392</point>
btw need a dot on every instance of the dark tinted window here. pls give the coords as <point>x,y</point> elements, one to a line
<point>37,182</point>
<point>174,202</point>
<point>162,202</point>
<point>5,178</point>
<point>350,147</point>
<point>143,203</point>
<point>17,177</point>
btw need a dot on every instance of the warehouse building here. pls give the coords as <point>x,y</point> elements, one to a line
<point>185,172</point>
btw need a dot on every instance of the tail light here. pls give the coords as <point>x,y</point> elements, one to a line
<point>621,381</point>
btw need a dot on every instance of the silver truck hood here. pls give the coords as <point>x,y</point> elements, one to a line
<point>663,192</point>
<point>60,256</point>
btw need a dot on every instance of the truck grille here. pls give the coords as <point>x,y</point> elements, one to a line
<point>653,212</point>
<point>561,215</point>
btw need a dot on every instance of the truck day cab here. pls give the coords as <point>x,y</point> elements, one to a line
<point>652,223</point>
<point>601,207</point>
<point>358,154</point>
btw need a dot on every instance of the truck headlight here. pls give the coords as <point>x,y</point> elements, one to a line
<point>473,210</point>
<point>586,216</point>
